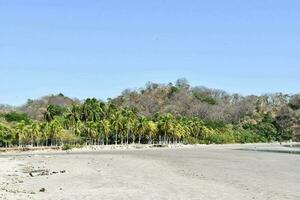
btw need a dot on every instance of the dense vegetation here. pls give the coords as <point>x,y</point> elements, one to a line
<point>158,113</point>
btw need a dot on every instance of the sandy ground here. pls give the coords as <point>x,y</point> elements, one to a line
<point>203,172</point>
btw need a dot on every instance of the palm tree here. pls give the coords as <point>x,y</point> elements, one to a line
<point>130,116</point>
<point>49,113</point>
<point>92,110</point>
<point>20,131</point>
<point>72,115</point>
<point>141,127</point>
<point>91,131</point>
<point>165,124</point>
<point>77,128</point>
<point>178,132</point>
<point>103,109</point>
<point>152,130</point>
<point>55,129</point>
<point>117,124</point>
<point>45,133</point>
<point>196,128</point>
<point>6,135</point>
<point>105,127</point>
<point>35,131</point>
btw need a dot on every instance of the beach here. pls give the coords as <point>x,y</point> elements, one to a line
<point>225,172</point>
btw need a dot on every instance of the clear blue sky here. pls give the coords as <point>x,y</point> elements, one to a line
<point>86,48</point>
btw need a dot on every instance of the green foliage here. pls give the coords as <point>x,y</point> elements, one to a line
<point>6,135</point>
<point>214,124</point>
<point>16,117</point>
<point>174,89</point>
<point>217,137</point>
<point>190,140</point>
<point>247,136</point>
<point>66,147</point>
<point>52,111</point>
<point>204,98</point>
<point>266,130</point>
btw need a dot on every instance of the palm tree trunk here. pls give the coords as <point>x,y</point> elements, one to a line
<point>116,141</point>
<point>139,138</point>
<point>133,138</point>
<point>127,137</point>
<point>31,140</point>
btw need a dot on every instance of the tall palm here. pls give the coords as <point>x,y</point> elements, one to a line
<point>126,122</point>
<point>91,131</point>
<point>141,127</point>
<point>103,109</point>
<point>105,127</point>
<point>130,116</point>
<point>134,132</point>
<point>55,129</point>
<point>91,110</point>
<point>165,125</point>
<point>49,113</point>
<point>178,132</point>
<point>35,131</point>
<point>43,137</point>
<point>117,124</point>
<point>77,128</point>
<point>20,131</point>
<point>152,130</point>
<point>6,135</point>
<point>72,115</point>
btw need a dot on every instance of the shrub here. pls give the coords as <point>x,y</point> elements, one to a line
<point>66,147</point>
<point>16,117</point>
<point>220,138</point>
<point>247,136</point>
<point>190,140</point>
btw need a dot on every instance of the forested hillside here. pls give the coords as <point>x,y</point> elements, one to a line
<point>157,113</point>
<point>35,108</point>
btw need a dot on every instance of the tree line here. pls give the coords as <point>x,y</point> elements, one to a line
<point>179,114</point>
<point>98,123</point>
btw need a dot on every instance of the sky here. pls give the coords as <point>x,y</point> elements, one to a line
<point>97,48</point>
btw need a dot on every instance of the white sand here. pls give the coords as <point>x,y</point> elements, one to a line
<point>204,172</point>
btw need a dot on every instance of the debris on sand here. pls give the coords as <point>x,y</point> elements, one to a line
<point>39,172</point>
<point>42,190</point>
<point>43,172</point>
